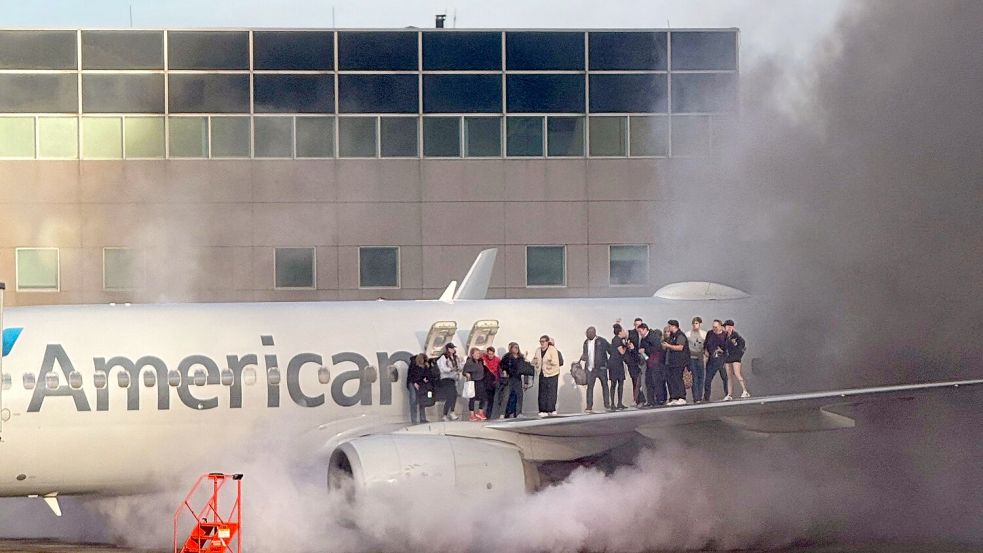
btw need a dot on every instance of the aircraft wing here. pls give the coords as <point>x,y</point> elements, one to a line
<point>768,415</point>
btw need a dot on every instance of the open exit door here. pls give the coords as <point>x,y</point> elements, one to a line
<point>441,332</point>
<point>482,335</point>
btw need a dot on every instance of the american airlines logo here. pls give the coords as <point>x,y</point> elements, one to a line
<point>10,336</point>
<point>59,378</point>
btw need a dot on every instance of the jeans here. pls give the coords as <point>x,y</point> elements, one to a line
<point>593,376</point>
<point>697,368</point>
<point>713,367</point>
<point>674,378</point>
<point>513,407</point>
<point>448,391</point>
<point>617,393</point>
<point>547,393</point>
<point>418,413</point>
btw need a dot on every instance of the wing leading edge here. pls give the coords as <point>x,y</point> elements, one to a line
<point>773,414</point>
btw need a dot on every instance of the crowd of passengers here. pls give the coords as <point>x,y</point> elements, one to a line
<point>661,363</point>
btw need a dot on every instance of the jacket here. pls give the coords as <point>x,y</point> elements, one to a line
<point>652,346</point>
<point>511,369</point>
<point>676,359</point>
<point>601,347</point>
<point>735,347</point>
<point>417,375</point>
<point>448,367</point>
<point>716,345</point>
<point>547,363</point>
<point>616,359</point>
<point>475,370</point>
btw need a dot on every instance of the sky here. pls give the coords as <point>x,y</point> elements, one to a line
<point>770,28</point>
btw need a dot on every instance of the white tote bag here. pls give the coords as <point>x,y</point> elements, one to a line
<point>468,391</point>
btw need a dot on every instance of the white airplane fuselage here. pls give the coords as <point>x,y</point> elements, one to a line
<point>63,438</point>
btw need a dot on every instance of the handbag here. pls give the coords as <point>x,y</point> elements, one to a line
<point>688,379</point>
<point>468,391</point>
<point>579,374</point>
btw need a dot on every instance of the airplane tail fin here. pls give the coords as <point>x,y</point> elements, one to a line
<point>475,283</point>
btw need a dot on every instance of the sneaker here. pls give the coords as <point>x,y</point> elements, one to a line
<point>745,395</point>
<point>473,418</point>
<point>681,401</point>
<point>481,416</point>
<point>727,398</point>
<point>454,416</point>
<point>588,411</point>
<point>543,414</point>
<point>552,413</point>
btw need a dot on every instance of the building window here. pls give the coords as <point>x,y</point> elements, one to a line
<point>378,267</point>
<point>482,136</point>
<point>690,136</point>
<point>122,50</point>
<point>527,51</point>
<point>378,93</point>
<point>122,93</point>
<point>315,136</point>
<point>37,269</point>
<point>462,93</point>
<point>122,269</point>
<point>208,93</point>
<point>627,50</point>
<point>273,137</point>
<point>102,138</point>
<point>293,93</point>
<point>294,268</point>
<point>356,136</point>
<point>628,265</point>
<point>38,93</point>
<point>565,136</point>
<point>704,50</point>
<point>188,137</point>
<point>608,136</point>
<point>293,50</point>
<point>207,50</point>
<point>377,51</point>
<point>398,137</point>
<point>230,136</point>
<point>631,93</point>
<point>442,136</point>
<point>551,93</point>
<point>37,50</point>
<point>17,137</point>
<point>649,135</point>
<point>58,137</point>
<point>143,137</point>
<point>524,136</point>
<point>546,266</point>
<point>462,50</point>
<point>704,92</point>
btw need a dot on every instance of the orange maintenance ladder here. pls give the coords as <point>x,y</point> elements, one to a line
<point>212,533</point>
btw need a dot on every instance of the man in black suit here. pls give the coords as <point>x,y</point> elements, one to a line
<point>635,362</point>
<point>595,360</point>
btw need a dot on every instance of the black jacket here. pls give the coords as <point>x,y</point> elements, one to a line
<point>634,356</point>
<point>716,345</point>
<point>418,375</point>
<point>511,367</point>
<point>601,347</point>
<point>676,359</point>
<point>735,347</point>
<point>616,360</point>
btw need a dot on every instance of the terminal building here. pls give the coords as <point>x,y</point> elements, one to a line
<point>274,165</point>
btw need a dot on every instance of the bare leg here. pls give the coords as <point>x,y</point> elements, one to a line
<point>740,377</point>
<point>730,378</point>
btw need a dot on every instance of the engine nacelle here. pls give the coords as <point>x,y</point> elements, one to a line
<point>450,462</point>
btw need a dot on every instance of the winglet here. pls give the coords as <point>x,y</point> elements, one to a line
<point>475,283</point>
<point>448,295</point>
<point>52,500</point>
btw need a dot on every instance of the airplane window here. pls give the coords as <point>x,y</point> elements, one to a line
<point>173,379</point>
<point>324,375</point>
<point>123,379</point>
<point>249,376</point>
<point>371,373</point>
<point>227,377</point>
<point>200,378</point>
<point>100,380</point>
<point>75,380</point>
<point>149,379</point>
<point>393,373</point>
<point>6,382</point>
<point>273,377</point>
<point>28,381</point>
<point>51,381</point>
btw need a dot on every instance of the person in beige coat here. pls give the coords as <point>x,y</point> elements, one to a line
<point>546,360</point>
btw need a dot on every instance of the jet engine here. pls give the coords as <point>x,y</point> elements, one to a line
<point>470,465</point>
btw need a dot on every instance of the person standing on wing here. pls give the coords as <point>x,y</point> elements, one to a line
<point>736,346</point>
<point>696,337</point>
<point>546,360</point>
<point>595,360</point>
<point>450,372</point>
<point>677,359</point>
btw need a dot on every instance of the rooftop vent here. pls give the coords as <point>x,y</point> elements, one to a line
<point>440,20</point>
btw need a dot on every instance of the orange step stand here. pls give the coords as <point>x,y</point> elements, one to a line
<point>213,532</point>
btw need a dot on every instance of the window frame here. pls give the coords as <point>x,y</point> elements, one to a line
<point>313,285</point>
<point>399,268</point>
<point>57,287</point>
<point>648,266</point>
<point>526,263</point>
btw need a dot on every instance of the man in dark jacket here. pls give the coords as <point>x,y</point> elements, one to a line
<point>420,385</point>
<point>716,351</point>
<point>655,369</point>
<point>595,359</point>
<point>514,371</point>
<point>677,359</point>
<point>633,357</point>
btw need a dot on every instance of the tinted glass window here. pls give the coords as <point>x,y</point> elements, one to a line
<point>356,136</point>
<point>122,50</point>
<point>207,50</point>
<point>628,265</point>
<point>649,135</point>
<point>208,93</point>
<point>466,50</point>
<point>524,136</point>
<point>545,93</point>
<point>17,137</point>
<point>377,94</point>
<point>608,136</point>
<point>306,50</point>
<point>230,136</point>
<point>37,269</point>
<point>273,136</point>
<point>293,93</point>
<point>315,136</point>
<point>38,93</point>
<point>188,137</point>
<point>377,51</point>
<point>565,136</point>
<point>398,137</point>
<point>442,136</point>
<point>690,136</point>
<point>462,93</point>
<point>378,267</point>
<point>482,136</point>
<point>37,50</point>
<point>121,269</point>
<point>144,137</point>
<point>104,93</point>
<point>545,266</point>
<point>532,51</point>
<point>629,50</point>
<point>704,92</point>
<point>612,93</point>
<point>102,137</point>
<point>704,50</point>
<point>58,138</point>
<point>294,267</point>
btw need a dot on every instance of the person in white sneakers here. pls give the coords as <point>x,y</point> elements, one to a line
<point>697,364</point>
<point>450,372</point>
<point>546,360</point>
<point>735,348</point>
<point>677,359</point>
